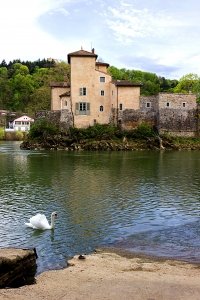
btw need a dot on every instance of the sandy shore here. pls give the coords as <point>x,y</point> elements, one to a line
<point>108,275</point>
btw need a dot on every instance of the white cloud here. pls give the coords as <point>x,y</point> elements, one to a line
<point>129,23</point>
<point>162,33</point>
<point>21,35</point>
<point>165,34</point>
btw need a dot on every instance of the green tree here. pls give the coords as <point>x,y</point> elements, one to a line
<point>150,81</point>
<point>39,100</point>
<point>5,92</point>
<point>18,68</point>
<point>22,87</point>
<point>188,83</point>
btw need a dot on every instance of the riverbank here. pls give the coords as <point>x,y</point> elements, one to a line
<point>124,144</point>
<point>111,275</point>
<point>44,135</point>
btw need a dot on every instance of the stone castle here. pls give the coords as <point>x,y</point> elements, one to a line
<point>92,96</point>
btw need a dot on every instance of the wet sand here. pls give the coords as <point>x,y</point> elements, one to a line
<point>113,275</point>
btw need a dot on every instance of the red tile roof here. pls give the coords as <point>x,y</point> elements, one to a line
<point>125,83</point>
<point>82,53</point>
<point>66,94</point>
<point>59,84</point>
<point>98,63</point>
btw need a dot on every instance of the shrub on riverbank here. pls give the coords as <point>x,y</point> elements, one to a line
<point>2,133</point>
<point>15,136</point>
<point>43,129</point>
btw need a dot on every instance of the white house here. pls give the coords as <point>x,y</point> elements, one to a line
<point>21,124</point>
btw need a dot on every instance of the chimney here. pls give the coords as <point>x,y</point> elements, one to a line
<point>93,50</point>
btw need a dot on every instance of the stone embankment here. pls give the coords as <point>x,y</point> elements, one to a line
<point>17,267</point>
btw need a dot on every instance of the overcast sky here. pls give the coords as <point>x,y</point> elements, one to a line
<point>157,36</point>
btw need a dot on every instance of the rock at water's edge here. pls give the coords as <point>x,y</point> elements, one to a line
<point>17,267</point>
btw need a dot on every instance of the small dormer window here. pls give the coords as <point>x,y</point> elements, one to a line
<point>102,79</point>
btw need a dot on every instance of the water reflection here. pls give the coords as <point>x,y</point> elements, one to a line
<point>101,199</point>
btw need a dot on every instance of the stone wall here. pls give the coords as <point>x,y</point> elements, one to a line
<point>66,119</point>
<point>177,114</point>
<point>131,118</point>
<point>52,116</point>
<point>178,122</point>
<point>176,101</point>
<point>153,103</point>
<point>62,118</point>
<point>17,267</point>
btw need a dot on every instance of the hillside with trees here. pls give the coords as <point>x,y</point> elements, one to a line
<point>25,85</point>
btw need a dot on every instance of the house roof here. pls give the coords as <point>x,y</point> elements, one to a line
<point>125,83</point>
<point>66,94</point>
<point>82,53</point>
<point>59,84</point>
<point>24,118</point>
<point>99,63</point>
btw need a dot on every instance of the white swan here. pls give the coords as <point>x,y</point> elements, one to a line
<point>40,221</point>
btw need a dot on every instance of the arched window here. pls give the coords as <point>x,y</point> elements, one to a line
<point>101,108</point>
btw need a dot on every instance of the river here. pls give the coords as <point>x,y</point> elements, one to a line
<point>143,201</point>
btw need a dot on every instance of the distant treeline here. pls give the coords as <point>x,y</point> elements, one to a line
<point>25,85</point>
<point>32,65</point>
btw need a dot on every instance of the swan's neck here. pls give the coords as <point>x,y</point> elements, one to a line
<point>52,222</point>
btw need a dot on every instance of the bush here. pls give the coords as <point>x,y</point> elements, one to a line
<point>42,128</point>
<point>2,133</point>
<point>108,132</point>
<point>99,132</point>
<point>19,136</point>
<point>143,131</point>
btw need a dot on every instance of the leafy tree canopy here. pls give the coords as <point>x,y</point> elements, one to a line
<point>189,83</point>
<point>151,83</point>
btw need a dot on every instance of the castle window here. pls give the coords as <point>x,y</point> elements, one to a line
<point>82,108</point>
<point>148,104</point>
<point>168,104</point>
<point>102,79</point>
<point>101,108</point>
<point>184,104</point>
<point>119,122</point>
<point>82,91</point>
<point>102,93</point>
<point>120,106</point>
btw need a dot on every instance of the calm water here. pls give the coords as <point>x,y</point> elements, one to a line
<point>147,202</point>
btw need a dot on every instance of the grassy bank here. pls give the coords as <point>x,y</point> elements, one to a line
<point>12,135</point>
